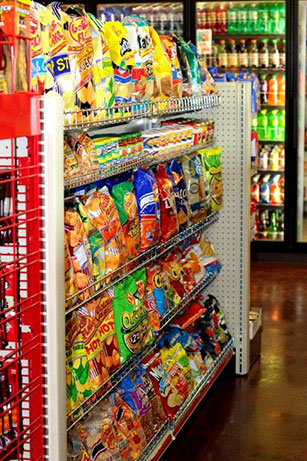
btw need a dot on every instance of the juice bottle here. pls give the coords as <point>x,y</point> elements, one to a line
<point>221,19</point>
<point>281,90</point>
<point>281,165</point>
<point>222,56</point>
<point>255,190</point>
<point>242,19</point>
<point>264,54</point>
<point>232,19</point>
<point>273,90</point>
<point>282,17</point>
<point>253,57</point>
<point>274,54</point>
<point>263,17</point>
<point>282,53</point>
<point>211,19</point>
<point>281,125</point>
<point>201,17</point>
<point>262,125</point>
<point>263,89</point>
<point>242,54</point>
<point>275,192</point>
<point>273,162</point>
<point>265,189</point>
<point>273,18</point>
<point>263,159</point>
<point>273,128</point>
<point>232,54</point>
<point>252,19</point>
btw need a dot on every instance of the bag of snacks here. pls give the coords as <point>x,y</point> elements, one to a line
<point>162,67</point>
<point>38,68</point>
<point>147,196</point>
<point>175,173</point>
<point>194,67</point>
<point>212,166</point>
<point>171,50</point>
<point>194,181</point>
<point>71,166</point>
<point>85,151</point>
<point>71,288</point>
<point>187,88</point>
<point>155,285</point>
<point>173,268</point>
<point>153,313</point>
<point>169,220</point>
<point>132,325</point>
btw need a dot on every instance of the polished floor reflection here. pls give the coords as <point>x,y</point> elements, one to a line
<point>262,416</point>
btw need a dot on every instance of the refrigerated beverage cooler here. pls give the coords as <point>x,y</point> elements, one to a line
<point>248,41</point>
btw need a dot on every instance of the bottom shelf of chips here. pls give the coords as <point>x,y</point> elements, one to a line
<point>156,397</point>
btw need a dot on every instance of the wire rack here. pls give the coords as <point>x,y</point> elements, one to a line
<point>88,404</point>
<point>108,116</point>
<point>114,168</point>
<point>139,262</point>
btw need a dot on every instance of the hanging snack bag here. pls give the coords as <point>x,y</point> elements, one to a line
<point>38,68</point>
<point>211,161</point>
<point>147,196</point>
<point>102,67</point>
<point>175,173</point>
<point>162,68</point>
<point>80,251</point>
<point>194,67</point>
<point>106,332</point>
<point>173,268</point>
<point>131,317</point>
<point>72,395</point>
<point>187,88</point>
<point>71,288</point>
<point>194,181</point>
<point>122,54</point>
<point>125,201</point>
<point>59,75</point>
<point>169,220</point>
<point>85,151</point>
<point>71,167</point>
<point>142,71</point>
<point>171,50</point>
<point>153,313</point>
<point>155,285</point>
<point>177,354</point>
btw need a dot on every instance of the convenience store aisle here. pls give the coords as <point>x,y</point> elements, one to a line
<point>263,416</point>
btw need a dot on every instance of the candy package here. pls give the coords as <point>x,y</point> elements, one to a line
<point>194,180</point>
<point>171,50</point>
<point>187,88</point>
<point>132,324</point>
<point>169,220</point>
<point>211,161</point>
<point>163,82</point>
<point>147,196</point>
<point>175,173</point>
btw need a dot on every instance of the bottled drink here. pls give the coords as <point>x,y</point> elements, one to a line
<point>273,162</point>
<point>274,55</point>
<point>232,18</point>
<point>282,17</point>
<point>273,91</point>
<point>263,18</point>
<point>242,19</point>
<point>273,122</point>
<point>214,55</point>
<point>252,19</point>
<point>242,54</point>
<point>273,18</point>
<point>222,56</point>
<point>264,54</point>
<point>262,125</point>
<point>272,229</point>
<point>211,19</point>
<point>201,17</point>
<point>263,89</point>
<point>264,159</point>
<point>281,165</point>
<point>281,90</point>
<point>275,192</point>
<point>253,57</point>
<point>282,53</point>
<point>255,191</point>
<point>263,229</point>
<point>221,19</point>
<point>265,189</point>
<point>280,224</point>
<point>281,125</point>
<point>232,54</point>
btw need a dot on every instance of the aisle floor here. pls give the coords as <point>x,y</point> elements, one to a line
<point>262,416</point>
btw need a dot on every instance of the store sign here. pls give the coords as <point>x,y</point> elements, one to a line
<point>204,41</point>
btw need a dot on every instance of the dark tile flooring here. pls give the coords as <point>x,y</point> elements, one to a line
<point>262,416</point>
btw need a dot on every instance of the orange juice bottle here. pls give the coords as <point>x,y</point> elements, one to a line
<point>281,90</point>
<point>273,91</point>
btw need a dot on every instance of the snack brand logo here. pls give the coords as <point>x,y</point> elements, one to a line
<point>143,42</point>
<point>133,318</point>
<point>79,30</point>
<point>106,328</point>
<point>92,347</point>
<point>55,34</point>
<point>124,47</point>
<point>130,205</point>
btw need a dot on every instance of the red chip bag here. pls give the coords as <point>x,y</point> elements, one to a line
<point>169,219</point>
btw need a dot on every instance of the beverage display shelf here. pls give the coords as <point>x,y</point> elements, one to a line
<point>259,170</point>
<point>253,172</point>
<point>269,205</point>
<point>165,436</point>
<point>147,159</point>
<point>110,116</point>
<point>270,106</point>
<point>267,141</point>
<point>246,36</point>
<point>265,70</point>
<point>267,240</point>
<point>140,261</point>
<point>115,379</point>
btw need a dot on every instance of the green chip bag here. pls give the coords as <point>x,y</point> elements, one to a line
<point>212,167</point>
<point>194,67</point>
<point>132,323</point>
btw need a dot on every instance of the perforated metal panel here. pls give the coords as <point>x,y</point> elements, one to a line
<point>231,234</point>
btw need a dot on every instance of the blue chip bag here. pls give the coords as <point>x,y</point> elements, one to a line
<point>147,196</point>
<point>175,174</point>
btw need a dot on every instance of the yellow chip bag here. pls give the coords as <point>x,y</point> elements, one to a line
<point>163,82</point>
<point>38,68</point>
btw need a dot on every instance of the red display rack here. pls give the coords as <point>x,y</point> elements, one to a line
<point>21,272</point>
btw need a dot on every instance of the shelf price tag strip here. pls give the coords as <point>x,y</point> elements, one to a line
<point>88,404</point>
<point>143,259</point>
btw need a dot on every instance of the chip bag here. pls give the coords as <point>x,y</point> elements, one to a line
<point>71,166</point>
<point>173,268</point>
<point>162,67</point>
<point>171,50</point>
<point>71,288</point>
<point>194,67</point>
<point>155,285</point>
<point>130,315</point>
<point>211,161</point>
<point>38,68</point>
<point>175,173</point>
<point>194,181</point>
<point>187,88</point>
<point>147,196</point>
<point>169,220</point>
<point>153,313</point>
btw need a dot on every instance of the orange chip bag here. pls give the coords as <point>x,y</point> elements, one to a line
<point>163,82</point>
<point>171,49</point>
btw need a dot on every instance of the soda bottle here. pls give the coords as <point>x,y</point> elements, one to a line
<point>242,54</point>
<point>221,19</point>
<point>263,229</point>
<point>274,54</point>
<point>263,89</point>
<point>282,53</point>
<point>272,229</point>
<point>252,19</point>
<point>273,125</point>
<point>281,90</point>
<point>242,19</point>
<point>281,125</point>
<point>253,57</point>
<point>201,17</point>
<point>273,90</point>
<point>273,18</point>
<point>264,54</point>
<point>263,17</point>
<point>282,17</point>
<point>211,19</point>
<point>222,56</point>
<point>262,125</point>
<point>232,54</point>
<point>280,224</point>
<point>232,19</point>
